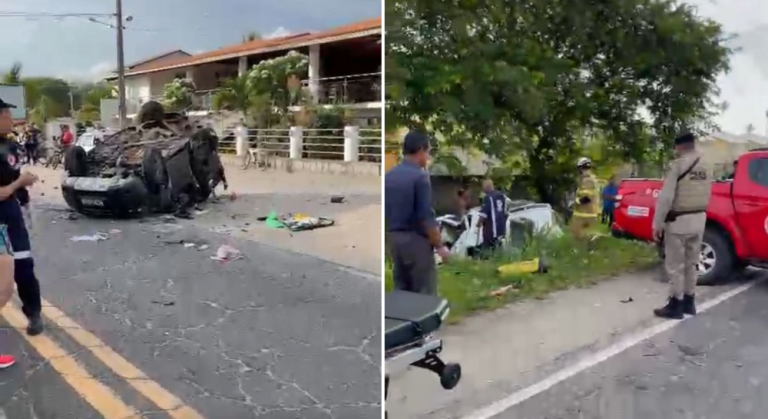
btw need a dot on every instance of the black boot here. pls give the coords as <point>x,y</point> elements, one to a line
<point>689,304</point>
<point>673,310</point>
<point>35,326</point>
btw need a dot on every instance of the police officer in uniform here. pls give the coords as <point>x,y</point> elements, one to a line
<point>585,207</point>
<point>680,220</point>
<point>12,210</point>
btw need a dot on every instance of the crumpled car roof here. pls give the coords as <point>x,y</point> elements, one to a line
<point>128,146</point>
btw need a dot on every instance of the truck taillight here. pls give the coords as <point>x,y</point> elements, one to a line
<point>617,202</point>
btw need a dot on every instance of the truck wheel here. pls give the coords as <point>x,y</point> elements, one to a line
<point>716,261</point>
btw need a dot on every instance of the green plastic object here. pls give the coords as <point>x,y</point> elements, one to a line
<point>273,222</point>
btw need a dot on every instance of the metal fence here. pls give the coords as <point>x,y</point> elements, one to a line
<point>319,144</point>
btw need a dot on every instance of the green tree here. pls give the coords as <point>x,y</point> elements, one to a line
<point>178,95</point>
<point>251,36</point>
<point>534,77</point>
<point>13,76</point>
<point>265,94</point>
<point>234,95</point>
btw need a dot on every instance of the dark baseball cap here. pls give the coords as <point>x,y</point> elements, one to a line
<point>415,141</point>
<point>5,105</point>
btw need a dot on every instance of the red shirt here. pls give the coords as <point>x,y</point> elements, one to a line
<point>66,138</point>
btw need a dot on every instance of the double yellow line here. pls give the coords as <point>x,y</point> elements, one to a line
<point>94,392</point>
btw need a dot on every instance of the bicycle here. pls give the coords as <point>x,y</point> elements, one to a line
<point>56,159</point>
<point>253,155</point>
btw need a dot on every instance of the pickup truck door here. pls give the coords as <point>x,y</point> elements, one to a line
<point>750,198</point>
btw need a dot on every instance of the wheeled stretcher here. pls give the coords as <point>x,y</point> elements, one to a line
<point>409,321</point>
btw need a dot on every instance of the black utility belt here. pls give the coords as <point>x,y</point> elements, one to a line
<point>672,215</point>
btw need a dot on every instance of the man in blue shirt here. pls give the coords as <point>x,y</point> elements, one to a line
<point>493,216</point>
<point>609,200</point>
<point>413,233</point>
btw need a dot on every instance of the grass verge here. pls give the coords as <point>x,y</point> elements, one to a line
<point>468,284</point>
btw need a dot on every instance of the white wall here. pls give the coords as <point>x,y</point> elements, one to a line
<point>137,88</point>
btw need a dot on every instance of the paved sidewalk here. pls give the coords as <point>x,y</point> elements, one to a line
<point>513,347</point>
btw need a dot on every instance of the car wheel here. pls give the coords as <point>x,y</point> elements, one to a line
<point>75,162</point>
<point>154,171</point>
<point>716,260</point>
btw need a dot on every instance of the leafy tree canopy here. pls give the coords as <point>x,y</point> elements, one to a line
<point>538,77</point>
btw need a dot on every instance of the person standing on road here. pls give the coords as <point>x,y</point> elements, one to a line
<point>680,220</point>
<point>585,208</point>
<point>609,200</point>
<point>12,209</point>
<point>67,139</point>
<point>493,216</point>
<point>31,144</point>
<point>413,233</point>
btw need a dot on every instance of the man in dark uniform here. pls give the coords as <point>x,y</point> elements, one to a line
<point>12,214</point>
<point>493,216</point>
<point>412,229</point>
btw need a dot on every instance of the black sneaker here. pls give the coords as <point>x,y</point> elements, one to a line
<point>673,310</point>
<point>689,304</point>
<point>35,326</point>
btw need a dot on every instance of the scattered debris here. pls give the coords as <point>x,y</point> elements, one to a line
<point>115,231</point>
<point>537,265</point>
<point>222,230</point>
<point>690,350</point>
<point>628,300</point>
<point>201,212</point>
<point>202,247</point>
<point>303,222</point>
<point>167,228</point>
<point>188,245</point>
<point>337,199</point>
<point>92,238</point>
<point>232,196</point>
<point>501,291</point>
<point>226,253</point>
<point>165,303</point>
<point>272,221</point>
<point>168,218</point>
<point>70,216</point>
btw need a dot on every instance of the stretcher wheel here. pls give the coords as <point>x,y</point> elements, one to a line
<point>450,376</point>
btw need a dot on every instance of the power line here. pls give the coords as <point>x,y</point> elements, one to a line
<point>52,15</point>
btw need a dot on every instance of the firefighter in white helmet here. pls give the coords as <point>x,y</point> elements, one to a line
<point>586,202</point>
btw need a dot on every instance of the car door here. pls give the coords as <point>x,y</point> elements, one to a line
<point>750,195</point>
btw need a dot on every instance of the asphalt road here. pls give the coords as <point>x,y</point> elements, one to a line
<point>713,366</point>
<point>170,333</point>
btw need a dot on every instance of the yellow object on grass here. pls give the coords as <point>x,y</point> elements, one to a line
<point>524,267</point>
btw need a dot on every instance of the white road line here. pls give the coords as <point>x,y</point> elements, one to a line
<point>596,358</point>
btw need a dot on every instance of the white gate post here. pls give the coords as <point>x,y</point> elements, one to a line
<point>351,143</point>
<point>297,142</point>
<point>241,140</point>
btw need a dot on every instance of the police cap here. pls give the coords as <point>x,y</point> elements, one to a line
<point>5,105</point>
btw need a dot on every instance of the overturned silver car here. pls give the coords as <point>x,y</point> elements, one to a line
<point>166,163</point>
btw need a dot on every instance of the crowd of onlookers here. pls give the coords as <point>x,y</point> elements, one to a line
<point>31,140</point>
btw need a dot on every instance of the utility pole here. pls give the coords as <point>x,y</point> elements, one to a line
<point>71,104</point>
<point>120,66</point>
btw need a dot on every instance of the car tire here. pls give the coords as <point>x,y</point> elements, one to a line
<point>720,252</point>
<point>154,171</point>
<point>76,162</point>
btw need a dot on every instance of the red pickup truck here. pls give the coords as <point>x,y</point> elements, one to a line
<point>737,217</point>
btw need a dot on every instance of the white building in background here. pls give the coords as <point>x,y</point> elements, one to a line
<point>344,68</point>
<point>720,149</point>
